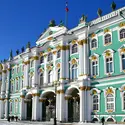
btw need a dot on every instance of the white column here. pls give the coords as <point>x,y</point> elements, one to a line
<point>82,106</point>
<point>85,56</point>
<point>62,104</point>
<point>36,63</point>
<point>22,108</point>
<point>54,69</point>
<point>2,109</point>
<point>25,110</point>
<point>45,70</point>
<point>57,104</point>
<point>81,62</point>
<point>33,107</point>
<point>40,110</point>
<point>67,63</point>
<point>26,73</point>
<point>6,108</point>
<point>36,107</point>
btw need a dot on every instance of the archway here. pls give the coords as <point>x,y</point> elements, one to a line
<point>95,120</point>
<point>73,105</point>
<point>48,107</point>
<point>110,120</point>
<point>28,100</point>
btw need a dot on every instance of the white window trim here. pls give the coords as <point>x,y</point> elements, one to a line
<point>31,66</point>
<point>71,68</point>
<point>104,38</point>
<point>43,60</point>
<point>95,37</point>
<point>122,97</point>
<point>10,108</point>
<point>98,93</point>
<point>105,96</point>
<point>50,83</point>
<point>60,54</point>
<point>71,49</point>
<point>43,79</point>
<point>120,59</point>
<point>96,55</point>
<point>119,29</point>
<point>112,55</point>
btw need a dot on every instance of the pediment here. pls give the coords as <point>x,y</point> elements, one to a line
<point>50,32</point>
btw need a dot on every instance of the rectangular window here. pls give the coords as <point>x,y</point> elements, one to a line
<point>10,107</point>
<point>123,61</point>
<point>109,65</point>
<point>95,68</point>
<point>110,102</point>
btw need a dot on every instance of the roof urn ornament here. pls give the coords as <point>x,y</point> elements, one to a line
<point>52,23</point>
<point>22,49</point>
<point>17,51</point>
<point>99,12</point>
<point>113,6</point>
<point>61,23</point>
<point>11,54</point>
<point>28,45</point>
<point>83,19</point>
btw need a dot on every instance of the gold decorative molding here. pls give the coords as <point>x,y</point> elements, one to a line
<point>50,38</point>
<point>93,57</point>
<point>58,65</point>
<point>73,61</point>
<point>107,53</point>
<point>42,100</point>
<point>45,55</point>
<point>109,91</point>
<point>63,78</point>
<point>74,42</point>
<point>8,69</point>
<point>106,30</point>
<point>68,97</point>
<point>27,62</point>
<point>121,24</point>
<point>36,94</point>
<point>81,42</point>
<point>94,76</point>
<point>83,88</point>
<point>94,92</point>
<point>64,47</point>
<point>49,67</point>
<point>1,99</point>
<point>58,47</point>
<point>122,50</point>
<point>54,52</point>
<point>0,73</point>
<point>22,96</point>
<point>61,91</point>
<point>110,111</point>
<point>41,53</point>
<point>4,71</point>
<point>58,92</point>
<point>49,49</point>
<point>6,99</point>
<point>35,58</point>
<point>93,35</point>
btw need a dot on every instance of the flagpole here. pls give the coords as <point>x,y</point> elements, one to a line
<point>66,15</point>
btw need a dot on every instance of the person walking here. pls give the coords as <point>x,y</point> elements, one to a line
<point>103,120</point>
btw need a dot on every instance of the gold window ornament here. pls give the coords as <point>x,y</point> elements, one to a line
<point>49,49</point>
<point>122,50</point>
<point>109,91</point>
<point>94,92</point>
<point>108,53</point>
<point>74,42</point>
<point>106,30</point>
<point>73,62</point>
<point>93,58</point>
<point>58,65</point>
<point>93,35</point>
<point>121,24</point>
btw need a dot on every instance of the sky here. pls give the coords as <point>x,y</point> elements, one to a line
<point>24,20</point>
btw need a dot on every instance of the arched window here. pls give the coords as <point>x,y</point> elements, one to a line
<point>74,72</point>
<point>109,65</point>
<point>95,102</point>
<point>74,48</point>
<point>122,34</point>
<point>123,61</point>
<point>32,63</point>
<point>58,74</point>
<point>110,102</point>
<point>110,120</point>
<point>107,38</point>
<point>93,43</point>
<point>124,101</point>
<point>50,57</point>
<point>94,67</point>
<point>12,87</point>
<point>22,82</point>
<point>50,77</point>
<point>58,54</point>
<point>42,59</point>
<point>41,79</point>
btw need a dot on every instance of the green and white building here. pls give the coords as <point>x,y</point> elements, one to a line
<point>80,72</point>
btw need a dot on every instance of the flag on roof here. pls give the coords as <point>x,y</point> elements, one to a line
<point>67,9</point>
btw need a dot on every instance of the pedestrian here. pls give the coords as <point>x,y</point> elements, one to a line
<point>103,120</point>
<point>8,118</point>
<point>16,118</point>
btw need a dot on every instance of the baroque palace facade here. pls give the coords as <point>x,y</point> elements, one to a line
<point>81,71</point>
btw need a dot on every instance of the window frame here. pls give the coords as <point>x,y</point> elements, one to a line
<point>58,55</point>
<point>50,74</point>
<point>109,43</point>
<point>42,80</point>
<point>58,74</point>
<point>32,64</point>
<point>41,59</point>
<point>50,58</point>
<point>76,73</point>
<point>76,48</point>
<point>96,65</point>
<point>96,43</point>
